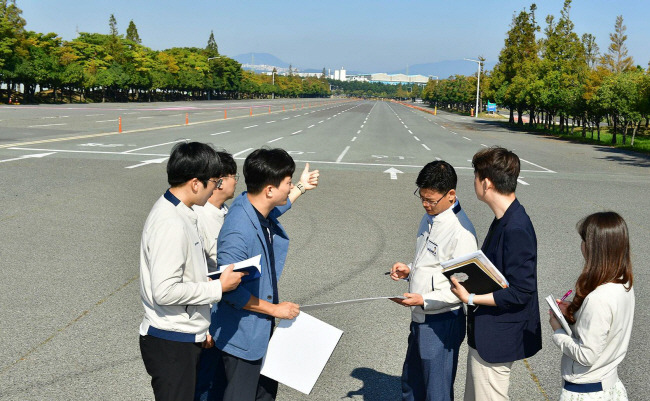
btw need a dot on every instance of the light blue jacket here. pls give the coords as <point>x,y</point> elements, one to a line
<point>236,331</point>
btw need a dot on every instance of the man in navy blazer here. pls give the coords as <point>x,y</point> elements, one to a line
<point>502,326</point>
<point>244,319</point>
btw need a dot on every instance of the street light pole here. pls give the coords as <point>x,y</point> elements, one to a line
<point>273,82</point>
<point>478,82</point>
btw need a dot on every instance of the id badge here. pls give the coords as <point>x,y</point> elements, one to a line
<point>432,247</point>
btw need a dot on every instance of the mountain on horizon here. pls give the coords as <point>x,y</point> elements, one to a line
<point>261,59</point>
<point>442,69</point>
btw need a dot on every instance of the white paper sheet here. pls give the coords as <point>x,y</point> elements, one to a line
<point>299,350</point>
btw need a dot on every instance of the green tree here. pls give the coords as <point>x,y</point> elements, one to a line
<point>112,25</point>
<point>592,51</point>
<point>212,49</point>
<point>132,33</point>
<point>12,32</point>
<point>563,69</point>
<point>517,64</point>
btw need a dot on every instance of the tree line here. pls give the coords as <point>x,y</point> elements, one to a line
<point>560,80</point>
<point>115,67</point>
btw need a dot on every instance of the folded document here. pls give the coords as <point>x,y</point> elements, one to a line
<point>251,266</point>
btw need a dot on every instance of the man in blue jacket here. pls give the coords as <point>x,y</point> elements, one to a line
<point>243,322</point>
<point>502,326</point>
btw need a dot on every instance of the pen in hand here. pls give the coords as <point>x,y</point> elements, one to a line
<point>566,295</point>
<point>387,273</point>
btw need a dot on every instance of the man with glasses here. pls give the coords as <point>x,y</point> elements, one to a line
<point>437,318</point>
<point>212,215</point>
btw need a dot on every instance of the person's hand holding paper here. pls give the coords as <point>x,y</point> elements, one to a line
<point>230,279</point>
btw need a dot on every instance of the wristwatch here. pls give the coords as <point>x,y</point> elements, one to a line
<point>301,187</point>
<point>470,300</point>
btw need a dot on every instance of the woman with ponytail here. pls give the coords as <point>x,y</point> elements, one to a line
<point>601,313</point>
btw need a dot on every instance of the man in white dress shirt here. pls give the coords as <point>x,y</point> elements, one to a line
<point>438,321</point>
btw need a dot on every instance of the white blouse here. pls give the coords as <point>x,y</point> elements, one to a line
<point>601,335</point>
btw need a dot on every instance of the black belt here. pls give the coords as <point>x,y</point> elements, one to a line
<point>583,387</point>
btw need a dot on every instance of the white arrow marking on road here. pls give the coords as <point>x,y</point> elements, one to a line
<point>152,161</point>
<point>37,156</point>
<point>522,181</point>
<point>393,173</point>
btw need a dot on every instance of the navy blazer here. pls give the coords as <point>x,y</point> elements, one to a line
<point>511,330</point>
<point>237,331</point>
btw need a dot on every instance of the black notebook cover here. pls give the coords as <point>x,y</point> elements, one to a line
<point>473,278</point>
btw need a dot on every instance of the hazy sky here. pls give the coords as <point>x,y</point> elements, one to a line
<point>362,35</point>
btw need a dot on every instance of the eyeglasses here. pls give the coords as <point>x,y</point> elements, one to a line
<point>235,176</point>
<point>427,201</point>
<point>215,182</point>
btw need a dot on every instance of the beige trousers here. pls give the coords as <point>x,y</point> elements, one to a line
<point>486,381</point>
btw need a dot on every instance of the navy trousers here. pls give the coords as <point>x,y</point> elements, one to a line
<point>432,357</point>
<point>211,379</point>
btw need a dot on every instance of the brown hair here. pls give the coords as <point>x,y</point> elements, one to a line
<point>607,256</point>
<point>500,165</point>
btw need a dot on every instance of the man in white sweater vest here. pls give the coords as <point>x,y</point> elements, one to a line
<point>438,321</point>
<point>175,290</point>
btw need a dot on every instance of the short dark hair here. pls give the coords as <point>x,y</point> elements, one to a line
<point>500,165</point>
<point>437,175</point>
<point>228,164</point>
<point>192,160</point>
<point>267,167</point>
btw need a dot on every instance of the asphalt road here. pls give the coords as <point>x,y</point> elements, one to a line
<point>75,194</point>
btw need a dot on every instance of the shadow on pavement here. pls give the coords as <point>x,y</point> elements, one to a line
<point>377,386</point>
<point>624,157</point>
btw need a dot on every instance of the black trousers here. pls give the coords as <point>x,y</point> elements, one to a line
<point>172,366</point>
<point>244,382</point>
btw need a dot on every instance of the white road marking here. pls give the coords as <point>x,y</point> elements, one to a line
<point>36,156</point>
<point>276,139</point>
<point>96,152</point>
<point>338,159</point>
<point>358,132</point>
<point>219,133</point>
<point>354,139</point>
<point>410,132</point>
<point>250,126</point>
<point>45,125</point>
<point>152,161</point>
<point>153,146</point>
<point>426,147</point>
<point>536,165</point>
<point>321,121</point>
<point>362,125</point>
<point>466,138</point>
<point>269,122</point>
<point>106,121</point>
<point>93,115</point>
<point>522,181</point>
<point>393,173</point>
<point>242,152</point>
<point>140,118</point>
<point>311,126</point>
<point>416,138</point>
<point>485,146</point>
<point>297,132</point>
<point>437,158</point>
<point>286,118</point>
